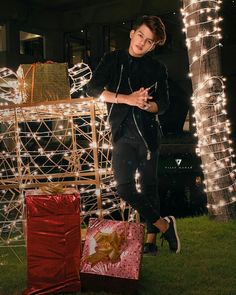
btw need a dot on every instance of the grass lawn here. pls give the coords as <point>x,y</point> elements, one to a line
<point>206,265</point>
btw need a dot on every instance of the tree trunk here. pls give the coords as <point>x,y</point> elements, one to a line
<point>203,41</point>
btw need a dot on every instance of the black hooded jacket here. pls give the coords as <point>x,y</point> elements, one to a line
<point>122,73</point>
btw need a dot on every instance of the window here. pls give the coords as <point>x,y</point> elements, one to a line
<point>32,44</point>
<point>77,47</point>
<point>119,35</point>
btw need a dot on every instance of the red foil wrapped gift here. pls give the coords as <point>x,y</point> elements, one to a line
<point>53,242</point>
<point>112,255</point>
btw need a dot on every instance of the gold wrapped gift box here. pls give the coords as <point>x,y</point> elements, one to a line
<point>44,82</point>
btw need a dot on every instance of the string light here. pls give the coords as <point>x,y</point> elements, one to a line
<point>12,83</point>
<point>80,75</point>
<point>201,26</point>
<point>9,90</point>
<point>56,143</point>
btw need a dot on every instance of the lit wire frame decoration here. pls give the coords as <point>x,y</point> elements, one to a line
<point>203,35</point>
<point>9,86</point>
<point>10,83</point>
<point>80,75</point>
<point>60,142</point>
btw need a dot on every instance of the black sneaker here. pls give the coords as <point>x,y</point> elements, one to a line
<point>149,249</point>
<point>171,235</point>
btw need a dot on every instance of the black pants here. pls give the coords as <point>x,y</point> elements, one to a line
<point>128,156</point>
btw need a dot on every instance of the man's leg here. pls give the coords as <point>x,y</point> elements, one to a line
<point>148,182</point>
<point>125,161</point>
<point>167,225</point>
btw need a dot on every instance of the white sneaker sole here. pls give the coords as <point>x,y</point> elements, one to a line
<point>167,218</point>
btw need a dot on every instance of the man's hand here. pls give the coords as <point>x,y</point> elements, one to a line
<point>140,98</point>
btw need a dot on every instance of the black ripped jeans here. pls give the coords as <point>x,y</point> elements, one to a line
<point>128,155</point>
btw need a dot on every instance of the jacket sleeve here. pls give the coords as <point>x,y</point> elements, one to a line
<point>162,93</point>
<point>101,76</point>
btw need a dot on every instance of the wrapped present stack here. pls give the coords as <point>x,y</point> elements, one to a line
<point>111,257</point>
<point>43,82</point>
<point>53,241</point>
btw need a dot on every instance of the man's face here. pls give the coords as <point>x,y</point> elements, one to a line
<point>142,40</point>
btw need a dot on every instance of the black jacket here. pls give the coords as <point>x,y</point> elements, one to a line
<point>121,73</point>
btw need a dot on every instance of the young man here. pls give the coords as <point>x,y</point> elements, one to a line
<point>134,86</point>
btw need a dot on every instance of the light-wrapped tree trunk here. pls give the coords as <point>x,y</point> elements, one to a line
<point>213,128</point>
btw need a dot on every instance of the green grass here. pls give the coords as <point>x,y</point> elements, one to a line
<point>205,266</point>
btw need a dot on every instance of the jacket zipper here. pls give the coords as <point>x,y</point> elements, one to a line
<point>117,89</point>
<point>140,133</point>
<point>135,121</point>
<point>138,129</point>
<point>159,124</point>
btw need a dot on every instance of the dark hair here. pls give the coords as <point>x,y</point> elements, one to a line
<point>155,24</point>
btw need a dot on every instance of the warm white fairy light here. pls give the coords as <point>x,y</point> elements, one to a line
<point>33,157</point>
<point>80,75</point>
<point>201,24</point>
<point>11,83</point>
<point>9,87</point>
<point>22,162</point>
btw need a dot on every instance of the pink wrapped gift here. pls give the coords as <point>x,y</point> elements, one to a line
<point>53,242</point>
<point>111,257</point>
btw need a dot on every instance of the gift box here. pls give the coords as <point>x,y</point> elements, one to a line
<point>112,255</point>
<point>52,242</point>
<point>43,82</point>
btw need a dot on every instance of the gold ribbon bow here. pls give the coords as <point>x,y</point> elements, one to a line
<point>52,189</point>
<point>108,248</point>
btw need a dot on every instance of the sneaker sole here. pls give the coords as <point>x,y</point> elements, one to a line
<point>176,233</point>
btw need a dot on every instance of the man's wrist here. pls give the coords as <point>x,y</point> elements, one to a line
<point>116,98</point>
<point>120,99</point>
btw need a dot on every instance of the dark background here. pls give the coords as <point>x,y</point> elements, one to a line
<point>78,30</point>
